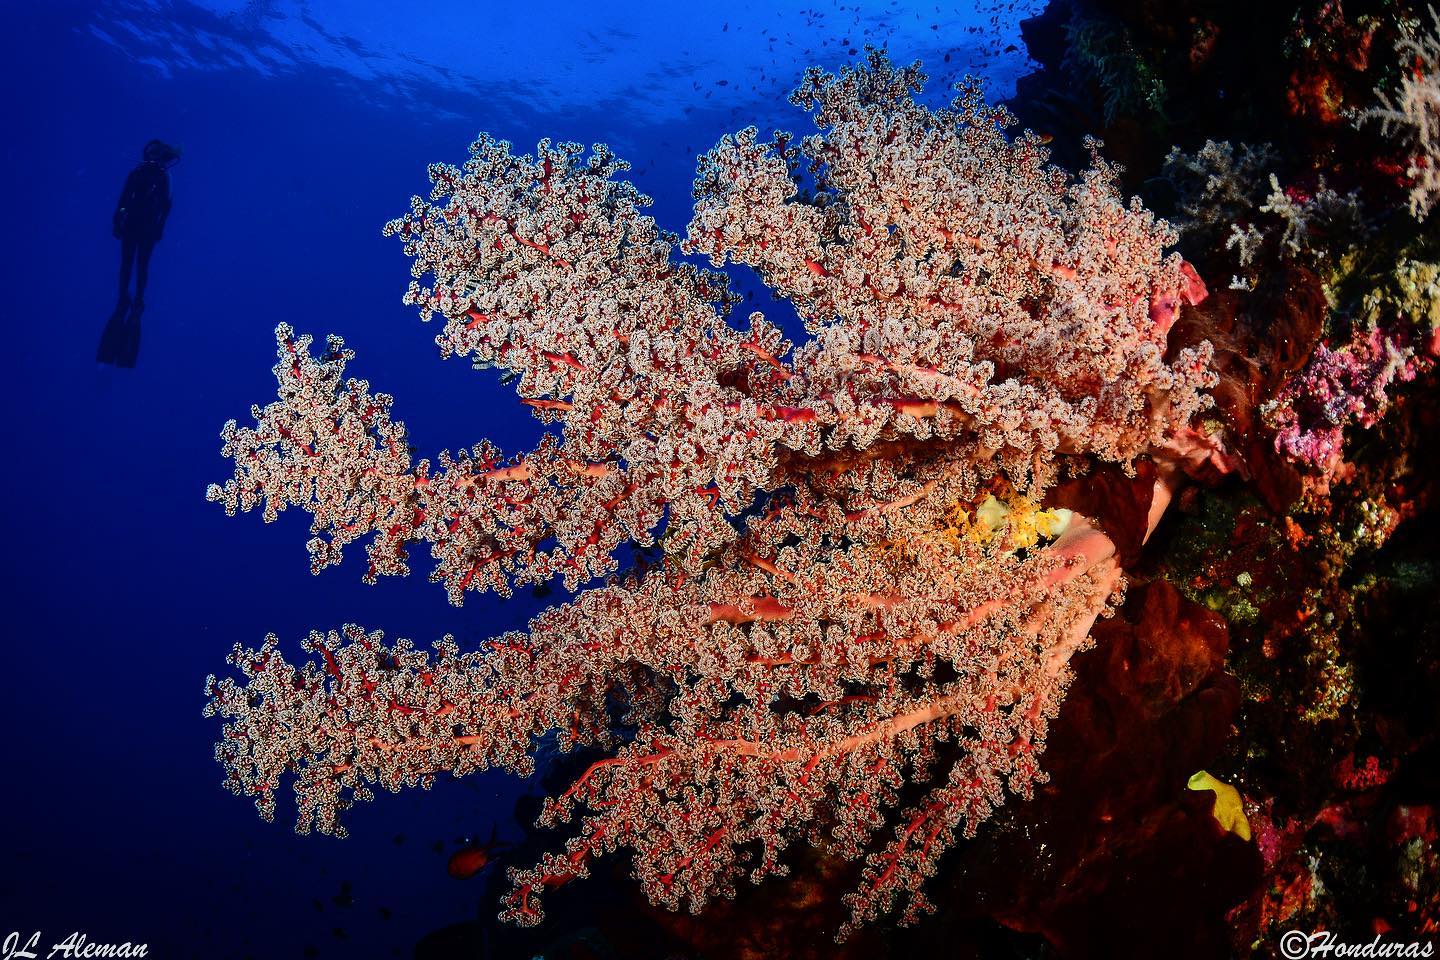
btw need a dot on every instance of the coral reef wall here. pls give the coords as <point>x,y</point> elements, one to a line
<point>1073,581</point>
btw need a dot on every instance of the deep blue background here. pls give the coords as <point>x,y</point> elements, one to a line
<point>305,127</point>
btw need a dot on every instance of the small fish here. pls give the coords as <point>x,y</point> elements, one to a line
<point>467,862</point>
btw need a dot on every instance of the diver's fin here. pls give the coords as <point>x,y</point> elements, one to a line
<point>129,348</point>
<point>113,335</point>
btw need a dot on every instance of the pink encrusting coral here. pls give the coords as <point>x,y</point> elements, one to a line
<point>1337,388</point>
<point>861,593</point>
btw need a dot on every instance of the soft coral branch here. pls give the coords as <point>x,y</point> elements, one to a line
<point>864,613</point>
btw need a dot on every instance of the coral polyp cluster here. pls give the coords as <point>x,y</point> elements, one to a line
<point>865,602</point>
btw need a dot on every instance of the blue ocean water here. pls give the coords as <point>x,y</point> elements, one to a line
<point>304,127</point>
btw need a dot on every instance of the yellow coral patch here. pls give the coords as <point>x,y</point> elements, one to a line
<point>1229,810</point>
<point>1016,521</point>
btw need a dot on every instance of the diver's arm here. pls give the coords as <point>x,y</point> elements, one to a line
<point>164,211</point>
<point>127,192</point>
<point>127,197</point>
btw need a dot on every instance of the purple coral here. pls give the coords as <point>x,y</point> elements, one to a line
<point>1336,388</point>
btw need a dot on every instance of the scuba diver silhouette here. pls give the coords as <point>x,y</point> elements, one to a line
<point>138,224</point>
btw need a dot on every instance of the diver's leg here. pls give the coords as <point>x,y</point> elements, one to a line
<point>127,263</point>
<point>142,272</point>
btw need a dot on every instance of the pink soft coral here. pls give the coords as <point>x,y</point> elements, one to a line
<point>1336,388</point>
